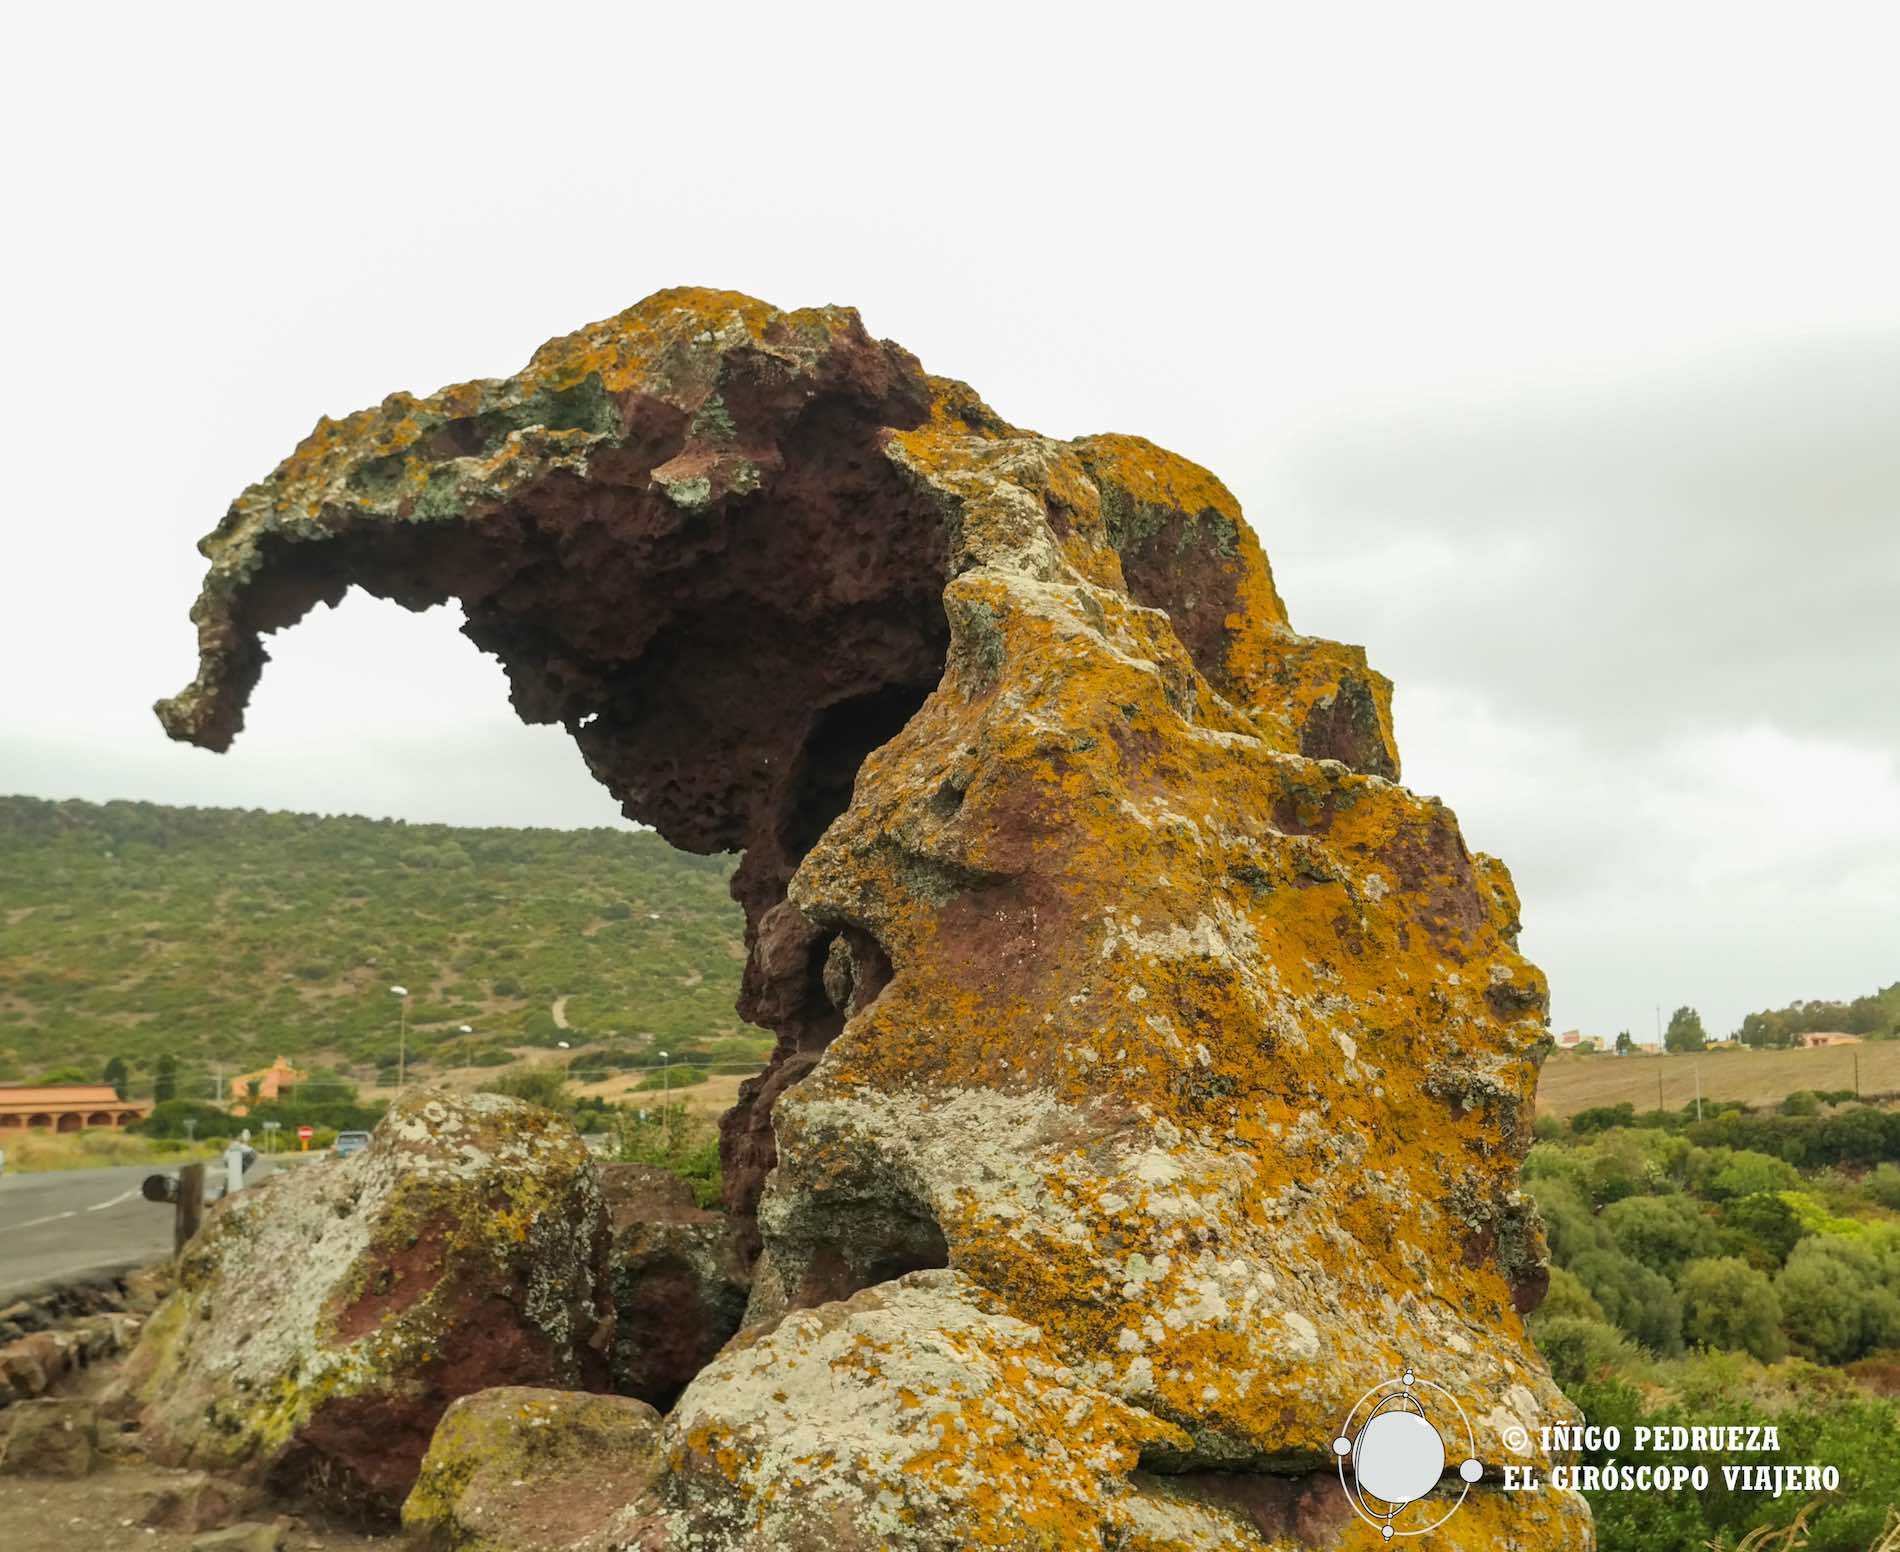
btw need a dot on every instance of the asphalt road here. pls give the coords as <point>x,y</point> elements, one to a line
<point>66,1223</point>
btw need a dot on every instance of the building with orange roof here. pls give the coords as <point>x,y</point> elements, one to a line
<point>271,1081</point>
<point>65,1107</point>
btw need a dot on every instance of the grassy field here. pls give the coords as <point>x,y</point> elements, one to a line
<point>1571,1083</point>
<point>30,1153</point>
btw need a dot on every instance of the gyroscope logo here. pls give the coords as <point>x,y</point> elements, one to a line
<point>1397,1455</point>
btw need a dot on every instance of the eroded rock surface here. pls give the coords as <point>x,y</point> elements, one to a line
<point>325,1319</point>
<point>1142,1042</point>
<point>680,1280</point>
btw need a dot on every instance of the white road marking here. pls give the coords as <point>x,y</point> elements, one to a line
<point>34,1223</point>
<point>123,1196</point>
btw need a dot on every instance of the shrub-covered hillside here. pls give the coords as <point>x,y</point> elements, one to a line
<point>1738,1270</point>
<point>224,937</point>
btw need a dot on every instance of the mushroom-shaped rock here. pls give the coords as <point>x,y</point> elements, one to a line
<point>1112,969</point>
<point>520,1469</point>
<point>325,1318</point>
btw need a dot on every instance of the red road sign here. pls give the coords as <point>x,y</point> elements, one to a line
<point>305,1133</point>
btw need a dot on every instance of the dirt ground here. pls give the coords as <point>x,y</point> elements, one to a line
<point>1571,1083</point>
<point>105,1512</point>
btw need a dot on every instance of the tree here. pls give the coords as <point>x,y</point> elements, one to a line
<point>1685,1032</point>
<point>538,1085</point>
<point>117,1075</point>
<point>1624,1045</point>
<point>165,1082</point>
<point>1639,1302</point>
<point>1727,1303</point>
<point>1659,1232</point>
<point>1833,1302</point>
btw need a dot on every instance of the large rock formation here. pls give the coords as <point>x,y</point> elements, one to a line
<point>325,1319</point>
<point>1153,1071</point>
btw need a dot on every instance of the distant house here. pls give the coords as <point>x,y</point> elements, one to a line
<point>271,1081</point>
<point>1577,1040</point>
<point>65,1107</point>
<point>1827,1037</point>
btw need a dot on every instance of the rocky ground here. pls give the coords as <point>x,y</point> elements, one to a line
<point>111,1509</point>
<point>112,1497</point>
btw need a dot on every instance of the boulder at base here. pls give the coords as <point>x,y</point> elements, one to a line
<point>49,1439</point>
<point>326,1318</point>
<point>516,1469</point>
<point>680,1281</point>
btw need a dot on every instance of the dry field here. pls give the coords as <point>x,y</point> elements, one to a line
<point>1571,1083</point>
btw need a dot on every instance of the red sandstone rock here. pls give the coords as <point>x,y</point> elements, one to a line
<point>517,1469</point>
<point>680,1281</point>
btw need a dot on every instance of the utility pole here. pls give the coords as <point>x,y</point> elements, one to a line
<point>1856,1075</point>
<point>1659,1103</point>
<point>1698,1091</point>
<point>401,994</point>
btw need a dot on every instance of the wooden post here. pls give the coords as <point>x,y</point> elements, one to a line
<point>191,1205</point>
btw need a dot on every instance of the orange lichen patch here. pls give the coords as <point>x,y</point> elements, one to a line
<point>990,1431</point>
<point>1156,477</point>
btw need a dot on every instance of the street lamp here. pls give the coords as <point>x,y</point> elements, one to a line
<point>666,1096</point>
<point>401,993</point>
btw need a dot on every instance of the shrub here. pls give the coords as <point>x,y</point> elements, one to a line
<point>1727,1303</point>
<point>1832,1301</point>
<point>1579,1349</point>
<point>1567,1296</point>
<point>1747,1172</point>
<point>1762,1227</point>
<point>674,1076</point>
<point>537,1085</point>
<point>168,1119</point>
<point>1883,1185</point>
<point>1601,1118</point>
<point>1640,1303</point>
<point>1802,1102</point>
<point>1660,1232</point>
<point>675,1139</point>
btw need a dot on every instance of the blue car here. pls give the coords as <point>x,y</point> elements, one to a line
<point>348,1143</point>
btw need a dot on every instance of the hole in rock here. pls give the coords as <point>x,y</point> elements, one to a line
<point>724,665</point>
<point>866,1239</point>
<point>842,736</point>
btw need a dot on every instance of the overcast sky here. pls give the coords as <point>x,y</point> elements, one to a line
<point>1553,351</point>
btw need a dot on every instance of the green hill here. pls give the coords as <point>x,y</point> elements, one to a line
<point>225,937</point>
